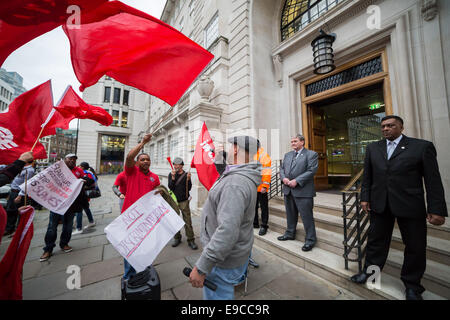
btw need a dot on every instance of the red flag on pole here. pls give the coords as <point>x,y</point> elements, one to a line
<point>11,266</point>
<point>135,49</point>
<point>170,162</point>
<point>21,125</point>
<point>203,159</point>
<point>72,106</point>
<point>23,20</point>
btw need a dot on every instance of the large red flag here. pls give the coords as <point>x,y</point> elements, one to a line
<point>21,125</point>
<point>23,20</point>
<point>72,106</point>
<point>3,219</point>
<point>203,159</point>
<point>136,49</point>
<point>11,266</point>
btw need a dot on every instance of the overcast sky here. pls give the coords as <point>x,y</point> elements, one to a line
<point>48,56</point>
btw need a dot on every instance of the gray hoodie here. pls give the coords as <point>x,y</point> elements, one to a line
<point>227,218</point>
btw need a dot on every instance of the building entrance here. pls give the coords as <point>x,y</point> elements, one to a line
<point>340,129</point>
<point>112,154</point>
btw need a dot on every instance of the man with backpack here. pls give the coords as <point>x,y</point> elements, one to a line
<point>180,183</point>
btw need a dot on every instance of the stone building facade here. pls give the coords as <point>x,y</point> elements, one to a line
<point>389,57</point>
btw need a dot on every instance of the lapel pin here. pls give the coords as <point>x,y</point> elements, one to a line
<point>403,147</point>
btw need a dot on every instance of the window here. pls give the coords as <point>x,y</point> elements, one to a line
<point>116,95</point>
<point>152,152</point>
<point>297,14</point>
<point>173,146</point>
<point>126,94</point>
<point>124,119</point>
<point>115,116</point>
<point>160,151</point>
<point>107,97</point>
<point>212,31</point>
<point>107,78</point>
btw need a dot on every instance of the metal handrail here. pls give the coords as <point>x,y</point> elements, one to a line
<point>355,222</point>
<point>275,189</point>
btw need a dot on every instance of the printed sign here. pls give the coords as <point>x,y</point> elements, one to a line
<point>55,188</point>
<point>141,232</point>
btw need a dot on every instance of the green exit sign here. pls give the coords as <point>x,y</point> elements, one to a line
<point>375,106</point>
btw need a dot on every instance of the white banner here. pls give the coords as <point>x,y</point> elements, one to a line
<point>55,188</point>
<point>142,231</point>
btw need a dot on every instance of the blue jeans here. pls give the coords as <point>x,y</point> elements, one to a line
<point>129,270</point>
<point>226,280</point>
<point>51,234</point>
<point>80,216</point>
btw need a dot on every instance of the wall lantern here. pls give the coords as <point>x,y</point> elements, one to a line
<point>323,53</point>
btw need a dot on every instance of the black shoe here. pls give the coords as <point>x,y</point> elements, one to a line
<point>253,263</point>
<point>262,231</point>
<point>7,233</point>
<point>410,294</point>
<point>192,245</point>
<point>255,226</point>
<point>176,242</point>
<point>285,237</point>
<point>360,278</point>
<point>307,247</point>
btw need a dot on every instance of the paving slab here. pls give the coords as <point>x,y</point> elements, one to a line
<point>263,293</point>
<point>171,274</point>
<point>169,253</point>
<point>187,292</point>
<point>45,287</point>
<point>110,252</point>
<point>99,271</point>
<point>168,295</point>
<point>104,290</point>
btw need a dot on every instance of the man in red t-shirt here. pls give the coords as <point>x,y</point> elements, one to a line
<point>140,180</point>
<point>120,188</point>
<point>67,219</point>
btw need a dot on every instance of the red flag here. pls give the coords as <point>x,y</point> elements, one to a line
<point>136,49</point>
<point>21,125</point>
<point>72,106</point>
<point>203,159</point>
<point>23,20</point>
<point>3,219</point>
<point>11,266</point>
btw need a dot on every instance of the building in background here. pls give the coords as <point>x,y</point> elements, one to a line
<point>15,80</point>
<point>6,95</point>
<point>389,58</point>
<point>59,145</point>
<point>105,148</point>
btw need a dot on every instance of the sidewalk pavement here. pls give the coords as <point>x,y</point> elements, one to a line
<point>102,266</point>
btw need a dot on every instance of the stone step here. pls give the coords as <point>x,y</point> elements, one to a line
<point>330,266</point>
<point>438,249</point>
<point>436,277</point>
<point>332,205</point>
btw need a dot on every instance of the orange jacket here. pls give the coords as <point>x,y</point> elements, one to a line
<point>263,158</point>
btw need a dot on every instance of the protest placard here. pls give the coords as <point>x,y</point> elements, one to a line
<point>55,188</point>
<point>141,232</point>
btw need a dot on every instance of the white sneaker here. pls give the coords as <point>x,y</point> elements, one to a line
<point>91,224</point>
<point>77,232</point>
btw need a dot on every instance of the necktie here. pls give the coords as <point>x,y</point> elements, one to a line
<point>390,149</point>
<point>295,158</point>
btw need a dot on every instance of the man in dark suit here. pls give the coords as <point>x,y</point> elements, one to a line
<point>392,188</point>
<point>297,174</point>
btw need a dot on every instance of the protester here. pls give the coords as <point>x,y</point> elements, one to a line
<point>67,219</point>
<point>227,222</point>
<point>180,183</point>
<point>395,171</point>
<point>120,188</point>
<point>297,174</point>
<point>85,204</point>
<point>16,199</point>
<point>263,198</point>
<point>140,180</point>
<point>8,173</point>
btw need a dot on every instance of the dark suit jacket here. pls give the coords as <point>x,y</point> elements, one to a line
<point>302,170</point>
<point>401,178</point>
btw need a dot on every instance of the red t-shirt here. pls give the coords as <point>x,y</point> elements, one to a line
<point>78,172</point>
<point>121,182</point>
<point>138,184</point>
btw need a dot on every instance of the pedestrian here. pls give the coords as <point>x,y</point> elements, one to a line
<point>15,199</point>
<point>263,197</point>
<point>8,173</point>
<point>140,180</point>
<point>395,171</point>
<point>227,222</point>
<point>120,188</point>
<point>180,183</point>
<point>85,204</point>
<point>297,174</point>
<point>67,219</point>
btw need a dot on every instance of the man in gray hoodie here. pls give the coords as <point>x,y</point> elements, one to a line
<point>227,222</point>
